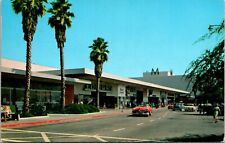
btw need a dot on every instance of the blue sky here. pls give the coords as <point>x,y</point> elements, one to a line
<point>141,34</point>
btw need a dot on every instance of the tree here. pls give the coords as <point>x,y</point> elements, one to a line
<point>98,55</point>
<point>207,72</point>
<point>30,10</point>
<point>60,20</point>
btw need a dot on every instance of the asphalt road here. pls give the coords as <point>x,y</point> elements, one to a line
<point>163,124</point>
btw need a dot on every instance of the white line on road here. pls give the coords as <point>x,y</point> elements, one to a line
<point>100,139</point>
<point>140,124</point>
<point>45,137</point>
<point>119,129</point>
<point>77,135</point>
<point>8,140</point>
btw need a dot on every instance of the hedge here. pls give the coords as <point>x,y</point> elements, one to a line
<point>80,109</point>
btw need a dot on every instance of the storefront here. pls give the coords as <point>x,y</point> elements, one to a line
<point>115,91</point>
<point>45,89</point>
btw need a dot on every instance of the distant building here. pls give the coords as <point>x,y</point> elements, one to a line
<point>157,73</point>
<point>167,78</point>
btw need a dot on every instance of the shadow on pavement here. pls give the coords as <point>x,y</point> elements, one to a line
<point>137,116</point>
<point>197,138</point>
<point>195,114</point>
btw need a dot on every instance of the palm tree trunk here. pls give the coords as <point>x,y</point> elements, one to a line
<point>97,90</point>
<point>62,77</point>
<point>28,75</point>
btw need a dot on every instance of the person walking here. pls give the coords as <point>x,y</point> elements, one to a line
<point>216,112</point>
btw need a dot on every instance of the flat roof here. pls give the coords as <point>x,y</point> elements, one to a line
<point>8,63</point>
<point>87,71</point>
<point>43,75</point>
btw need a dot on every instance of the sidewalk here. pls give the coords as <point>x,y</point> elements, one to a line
<point>57,118</point>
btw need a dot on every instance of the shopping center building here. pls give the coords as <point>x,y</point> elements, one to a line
<point>80,86</point>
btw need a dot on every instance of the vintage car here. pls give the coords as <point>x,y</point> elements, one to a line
<point>178,106</point>
<point>170,106</point>
<point>144,109</point>
<point>190,107</point>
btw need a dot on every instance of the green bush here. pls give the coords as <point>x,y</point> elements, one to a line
<point>38,110</point>
<point>26,114</point>
<point>80,109</point>
<point>53,108</point>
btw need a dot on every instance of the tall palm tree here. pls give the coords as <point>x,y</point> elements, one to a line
<point>60,20</point>
<point>30,10</point>
<point>98,55</point>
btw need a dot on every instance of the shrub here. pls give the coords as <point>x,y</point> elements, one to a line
<point>53,108</point>
<point>80,109</point>
<point>26,114</point>
<point>38,110</point>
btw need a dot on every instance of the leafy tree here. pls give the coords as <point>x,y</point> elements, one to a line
<point>98,55</point>
<point>207,72</point>
<point>30,10</point>
<point>60,20</point>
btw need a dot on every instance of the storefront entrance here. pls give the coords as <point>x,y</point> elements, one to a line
<point>139,97</point>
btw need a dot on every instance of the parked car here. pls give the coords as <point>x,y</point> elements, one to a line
<point>205,109</point>
<point>170,106</point>
<point>143,109</point>
<point>179,106</point>
<point>190,107</point>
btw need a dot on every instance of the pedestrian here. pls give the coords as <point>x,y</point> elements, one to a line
<point>216,112</point>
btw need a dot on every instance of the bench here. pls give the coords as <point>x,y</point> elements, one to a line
<point>9,112</point>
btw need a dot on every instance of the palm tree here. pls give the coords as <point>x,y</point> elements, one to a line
<point>98,55</point>
<point>30,10</point>
<point>60,20</point>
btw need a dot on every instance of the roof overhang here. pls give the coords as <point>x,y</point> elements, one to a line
<point>85,71</point>
<point>43,75</point>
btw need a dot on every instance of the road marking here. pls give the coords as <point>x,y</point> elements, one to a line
<point>8,140</point>
<point>118,129</point>
<point>140,124</point>
<point>45,137</point>
<point>77,135</point>
<point>100,139</point>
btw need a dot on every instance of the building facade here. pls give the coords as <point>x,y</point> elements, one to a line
<point>115,91</point>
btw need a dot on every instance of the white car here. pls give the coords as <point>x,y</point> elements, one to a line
<point>190,107</point>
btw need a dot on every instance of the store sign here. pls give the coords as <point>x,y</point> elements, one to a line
<point>103,87</point>
<point>121,91</point>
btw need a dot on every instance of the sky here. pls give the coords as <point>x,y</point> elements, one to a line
<point>141,34</point>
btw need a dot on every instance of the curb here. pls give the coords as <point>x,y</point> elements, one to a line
<point>76,114</point>
<point>38,117</point>
<point>57,120</point>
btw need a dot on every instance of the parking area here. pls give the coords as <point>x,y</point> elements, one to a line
<point>36,136</point>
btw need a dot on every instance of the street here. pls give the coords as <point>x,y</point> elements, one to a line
<point>162,125</point>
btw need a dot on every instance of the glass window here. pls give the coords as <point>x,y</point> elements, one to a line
<point>6,96</point>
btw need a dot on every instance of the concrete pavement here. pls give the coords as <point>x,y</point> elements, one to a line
<point>57,118</point>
